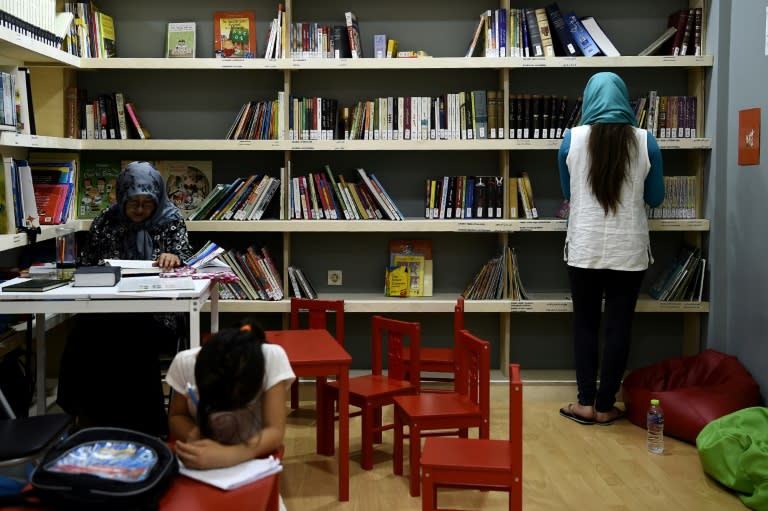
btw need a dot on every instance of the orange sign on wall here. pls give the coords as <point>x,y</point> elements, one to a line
<point>749,136</point>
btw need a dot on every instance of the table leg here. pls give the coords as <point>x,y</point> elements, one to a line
<point>214,298</point>
<point>40,356</point>
<point>320,429</point>
<point>344,434</point>
<point>194,325</point>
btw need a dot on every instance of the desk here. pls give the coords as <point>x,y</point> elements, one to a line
<point>81,300</point>
<point>316,353</point>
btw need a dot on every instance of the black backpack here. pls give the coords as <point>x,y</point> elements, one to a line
<point>55,485</point>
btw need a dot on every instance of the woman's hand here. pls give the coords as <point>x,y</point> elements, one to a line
<point>207,453</point>
<point>168,262</point>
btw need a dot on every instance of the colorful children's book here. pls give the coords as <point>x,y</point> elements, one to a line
<point>181,40</point>
<point>187,183</point>
<point>96,187</point>
<point>234,34</point>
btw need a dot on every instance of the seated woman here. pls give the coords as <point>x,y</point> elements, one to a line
<point>110,372</point>
<point>228,404</point>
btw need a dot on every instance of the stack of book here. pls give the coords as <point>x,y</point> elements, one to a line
<point>489,282</point>
<point>683,280</point>
<point>244,199</point>
<point>258,277</point>
<point>301,285</point>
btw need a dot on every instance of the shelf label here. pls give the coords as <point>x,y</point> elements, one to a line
<point>521,306</point>
<point>478,226</point>
<point>247,143</point>
<point>228,64</point>
<point>302,145</point>
<point>557,307</point>
<point>508,225</point>
<point>532,225</point>
<point>567,61</point>
<point>534,62</point>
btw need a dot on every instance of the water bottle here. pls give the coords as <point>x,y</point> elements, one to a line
<point>655,423</point>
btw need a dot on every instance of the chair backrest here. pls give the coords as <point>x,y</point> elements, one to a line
<point>317,315</point>
<point>398,334</point>
<point>473,373</point>
<point>516,410</point>
<point>458,320</point>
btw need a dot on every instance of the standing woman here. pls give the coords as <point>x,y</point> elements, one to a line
<point>608,169</point>
<point>110,372</point>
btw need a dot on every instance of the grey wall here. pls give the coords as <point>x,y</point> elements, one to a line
<point>739,319</point>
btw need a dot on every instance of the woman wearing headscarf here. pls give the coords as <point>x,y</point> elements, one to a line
<point>609,170</point>
<point>110,373</point>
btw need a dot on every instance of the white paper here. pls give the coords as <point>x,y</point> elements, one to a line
<point>235,476</point>
<point>131,263</point>
<point>132,284</point>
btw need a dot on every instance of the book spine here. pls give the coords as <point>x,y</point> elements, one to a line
<point>580,36</point>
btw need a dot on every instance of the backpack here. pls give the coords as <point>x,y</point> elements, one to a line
<point>135,470</point>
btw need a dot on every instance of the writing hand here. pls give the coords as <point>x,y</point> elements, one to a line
<point>168,262</point>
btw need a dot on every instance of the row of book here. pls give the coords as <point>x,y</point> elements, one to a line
<point>244,199</point>
<point>501,272</point>
<point>683,279</point>
<point>300,284</point>
<point>91,33</point>
<point>680,194</point>
<point>36,19</point>
<point>258,120</point>
<point>319,195</point>
<point>107,116</point>
<point>258,276</point>
<point>668,116</point>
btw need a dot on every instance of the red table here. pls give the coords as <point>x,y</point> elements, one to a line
<point>315,352</point>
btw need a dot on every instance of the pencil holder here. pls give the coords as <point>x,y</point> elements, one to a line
<point>65,252</point>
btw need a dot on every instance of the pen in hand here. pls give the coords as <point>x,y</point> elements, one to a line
<point>192,395</point>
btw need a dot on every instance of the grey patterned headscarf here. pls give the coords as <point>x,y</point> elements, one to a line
<point>141,178</point>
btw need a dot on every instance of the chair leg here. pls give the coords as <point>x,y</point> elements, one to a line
<point>429,499</point>
<point>377,421</point>
<point>414,457</point>
<point>397,447</point>
<point>367,437</point>
<point>295,395</point>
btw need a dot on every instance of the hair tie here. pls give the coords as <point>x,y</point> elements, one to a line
<point>245,328</point>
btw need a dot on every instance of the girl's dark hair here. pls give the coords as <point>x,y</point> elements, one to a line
<point>611,148</point>
<point>229,371</point>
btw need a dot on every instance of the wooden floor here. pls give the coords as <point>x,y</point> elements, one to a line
<point>566,466</point>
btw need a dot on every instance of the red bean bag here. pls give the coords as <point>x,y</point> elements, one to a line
<point>692,391</point>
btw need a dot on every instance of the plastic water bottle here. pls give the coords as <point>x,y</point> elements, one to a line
<point>655,423</point>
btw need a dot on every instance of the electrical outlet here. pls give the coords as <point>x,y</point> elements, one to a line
<point>334,277</point>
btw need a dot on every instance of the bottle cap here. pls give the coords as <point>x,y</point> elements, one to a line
<point>655,402</point>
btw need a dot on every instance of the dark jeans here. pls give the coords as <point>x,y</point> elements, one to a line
<point>620,289</point>
<point>110,372</point>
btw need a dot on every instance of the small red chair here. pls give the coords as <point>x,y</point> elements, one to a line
<point>428,414</point>
<point>441,360</point>
<point>373,391</point>
<point>306,313</point>
<point>479,463</point>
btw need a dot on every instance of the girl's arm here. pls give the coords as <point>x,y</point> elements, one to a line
<point>206,453</point>
<point>180,423</point>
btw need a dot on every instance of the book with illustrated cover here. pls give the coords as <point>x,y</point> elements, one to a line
<point>181,40</point>
<point>187,183</point>
<point>353,31</point>
<point>234,34</point>
<point>105,28</point>
<point>400,250</point>
<point>96,187</point>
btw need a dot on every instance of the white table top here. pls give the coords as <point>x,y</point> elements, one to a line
<point>69,292</point>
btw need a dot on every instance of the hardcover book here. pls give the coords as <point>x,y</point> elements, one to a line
<point>96,187</point>
<point>35,285</point>
<point>234,34</point>
<point>353,31</point>
<point>181,40</point>
<point>96,276</point>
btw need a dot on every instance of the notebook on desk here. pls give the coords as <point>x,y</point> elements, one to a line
<point>235,476</point>
<point>35,285</point>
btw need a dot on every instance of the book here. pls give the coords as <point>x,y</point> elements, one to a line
<point>599,37</point>
<point>679,20</point>
<point>561,32</point>
<point>353,32</point>
<point>140,130</point>
<point>544,32</point>
<point>187,182</point>
<point>380,46</point>
<point>234,34</point>
<point>155,283</point>
<point>7,207</point>
<point>181,40</point>
<point>25,118</point>
<point>229,478</point>
<point>580,36</point>
<point>34,285</point>
<point>105,29</point>
<point>96,188</point>
<point>96,276</point>
<point>134,266</point>
<point>414,247</point>
<point>658,42</point>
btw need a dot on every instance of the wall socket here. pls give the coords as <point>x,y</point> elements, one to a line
<point>334,277</point>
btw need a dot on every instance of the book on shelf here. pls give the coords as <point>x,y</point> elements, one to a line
<point>96,276</point>
<point>379,46</point>
<point>300,284</point>
<point>678,20</point>
<point>534,35</point>
<point>28,215</point>
<point>415,255</point>
<point>488,282</point>
<point>96,187</point>
<point>561,32</point>
<point>135,124</point>
<point>34,285</point>
<point>353,32</point>
<point>234,34</point>
<point>7,197</point>
<point>668,282</point>
<point>105,35</point>
<point>340,39</point>
<point>25,118</point>
<point>688,33</point>
<point>599,37</point>
<point>187,182</point>
<point>542,21</point>
<point>181,40</point>
<point>659,42</point>
<point>580,36</point>
<point>50,200</point>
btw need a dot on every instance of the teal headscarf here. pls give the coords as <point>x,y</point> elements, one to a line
<point>606,101</point>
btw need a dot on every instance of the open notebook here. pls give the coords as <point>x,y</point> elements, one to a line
<point>235,476</point>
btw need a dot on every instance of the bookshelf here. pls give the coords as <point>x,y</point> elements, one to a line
<point>188,105</point>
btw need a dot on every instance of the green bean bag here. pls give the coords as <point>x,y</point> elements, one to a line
<point>734,450</point>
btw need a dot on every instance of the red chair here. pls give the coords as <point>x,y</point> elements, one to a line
<point>441,360</point>
<point>306,313</point>
<point>434,413</point>
<point>373,391</point>
<point>479,463</point>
